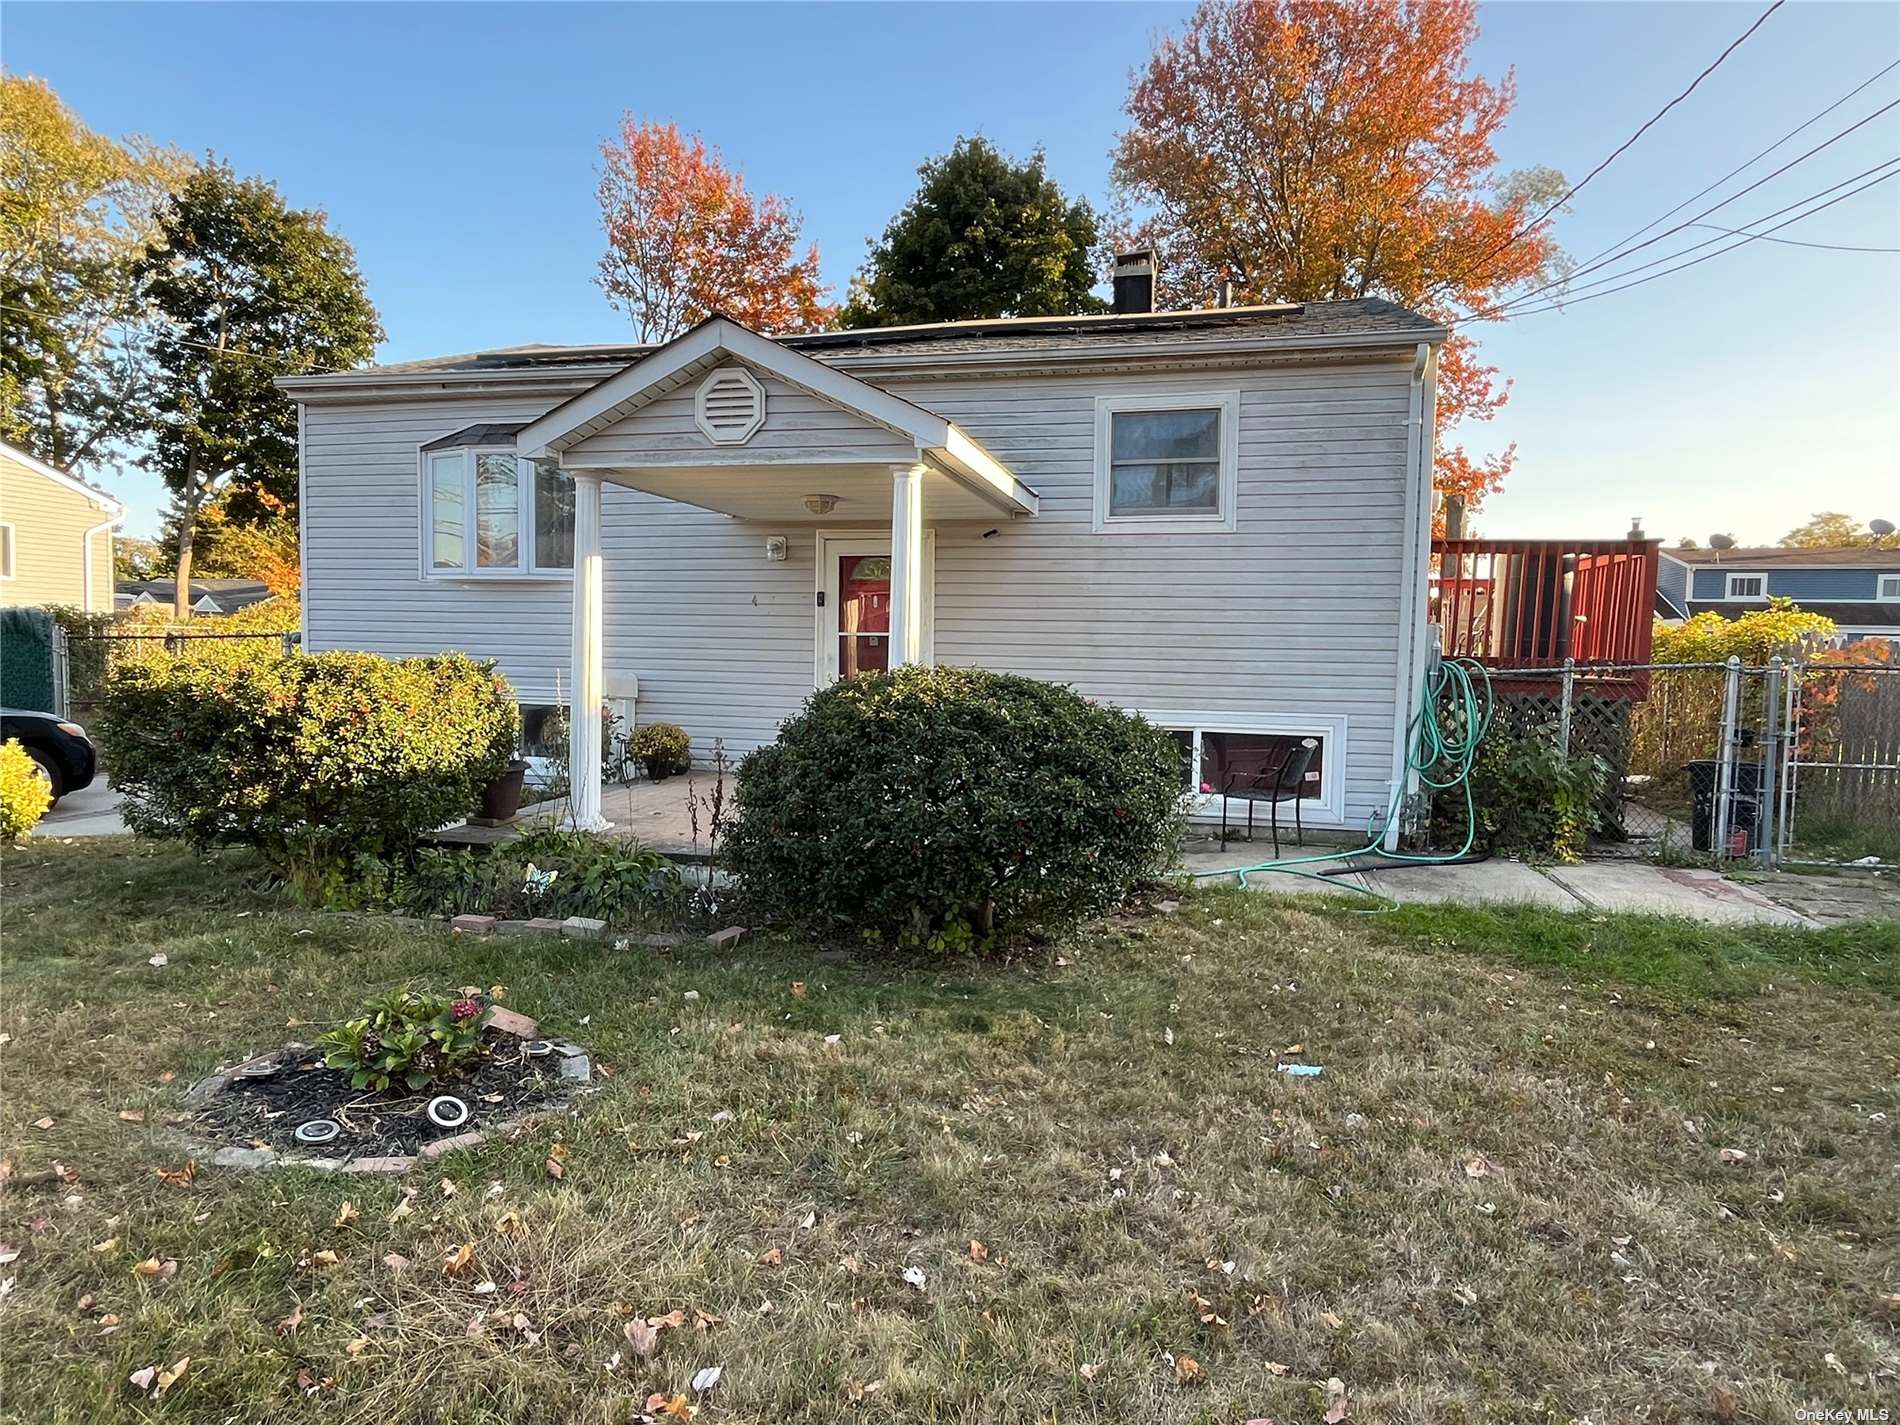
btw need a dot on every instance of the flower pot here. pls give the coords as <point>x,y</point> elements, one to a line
<point>501,798</point>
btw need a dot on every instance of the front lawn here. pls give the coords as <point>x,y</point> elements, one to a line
<point>1505,1199</point>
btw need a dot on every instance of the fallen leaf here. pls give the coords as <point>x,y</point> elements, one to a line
<point>1733,1155</point>
<point>772,1257</point>
<point>457,1261</point>
<point>403,1209</point>
<point>678,1408</point>
<point>486,1289</point>
<point>449,1189</point>
<point>644,1339</point>
<point>798,989</point>
<point>171,1375</point>
<point>914,1276</point>
<point>509,1224</point>
<point>1089,1370</point>
<point>142,1379</point>
<point>178,1177</point>
<point>325,1258</point>
<point>556,1169</point>
<point>525,1326</point>
<point>168,1076</point>
<point>346,1214</point>
<point>84,1303</point>
<point>475,1326</point>
<point>1335,1400</point>
<point>1331,1318</point>
<point>706,1378</point>
<point>132,1115</point>
<point>675,1317</point>
<point>1187,1370</point>
<point>111,1244</point>
<point>1483,1167</point>
<point>979,1252</point>
<point>108,1323</point>
<point>158,962</point>
<point>46,1122</point>
<point>395,1261</point>
<point>154,1267</point>
<point>357,1346</point>
<point>705,1320</point>
<point>1275,1368</point>
<point>291,1322</point>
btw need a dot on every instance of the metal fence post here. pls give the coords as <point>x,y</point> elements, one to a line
<point>1725,767</point>
<point>62,677</point>
<point>1563,714</point>
<point>290,645</point>
<point>1769,791</point>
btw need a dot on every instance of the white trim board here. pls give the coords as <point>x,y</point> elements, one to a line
<point>1329,809</point>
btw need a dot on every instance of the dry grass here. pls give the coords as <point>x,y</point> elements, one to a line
<point>1113,1129</point>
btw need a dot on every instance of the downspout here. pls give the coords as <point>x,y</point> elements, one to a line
<point>1409,674</point>
<point>85,547</point>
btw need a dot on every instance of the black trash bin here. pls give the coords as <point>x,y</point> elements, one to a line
<point>1744,802</point>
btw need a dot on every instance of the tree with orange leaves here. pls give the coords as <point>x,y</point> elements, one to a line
<point>1322,150</point>
<point>685,238</point>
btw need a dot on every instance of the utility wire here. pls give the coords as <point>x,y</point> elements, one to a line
<point>1558,306</point>
<point>1622,148</point>
<point>1740,167</point>
<point>1796,242</point>
<point>1507,308</point>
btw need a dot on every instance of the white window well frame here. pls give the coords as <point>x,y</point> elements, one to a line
<point>1224,517</point>
<point>526,568</point>
<point>1728,588</point>
<point>1887,588</point>
<point>1328,809</point>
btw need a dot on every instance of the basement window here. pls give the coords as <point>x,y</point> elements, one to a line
<point>1217,747</point>
<point>487,514</point>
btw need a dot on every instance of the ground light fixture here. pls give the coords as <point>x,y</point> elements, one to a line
<point>448,1111</point>
<point>318,1130</point>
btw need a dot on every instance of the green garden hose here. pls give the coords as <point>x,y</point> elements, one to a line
<point>1441,746</point>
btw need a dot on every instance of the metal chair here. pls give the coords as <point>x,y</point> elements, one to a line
<point>1280,782</point>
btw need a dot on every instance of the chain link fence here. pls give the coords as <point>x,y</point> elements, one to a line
<point>1791,761</point>
<point>85,661</point>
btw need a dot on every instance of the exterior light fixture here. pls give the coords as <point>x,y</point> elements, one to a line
<point>821,504</point>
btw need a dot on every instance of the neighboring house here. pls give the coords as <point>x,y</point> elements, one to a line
<point>208,596</point>
<point>55,536</point>
<point>1858,588</point>
<point>1216,517</point>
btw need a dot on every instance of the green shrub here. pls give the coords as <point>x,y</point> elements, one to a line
<point>316,761</point>
<point>550,873</point>
<point>415,1039</point>
<point>662,749</point>
<point>952,808</point>
<point>24,795</point>
<point>1531,799</point>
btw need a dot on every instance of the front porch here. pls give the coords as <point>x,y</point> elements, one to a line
<point>725,420</point>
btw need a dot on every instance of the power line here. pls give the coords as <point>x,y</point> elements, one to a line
<point>1621,148</point>
<point>1558,306</point>
<point>1750,163</point>
<point>1507,308</point>
<point>1796,242</point>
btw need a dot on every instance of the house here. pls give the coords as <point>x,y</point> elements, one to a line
<point>1216,517</point>
<point>208,596</point>
<point>1859,588</point>
<point>55,536</point>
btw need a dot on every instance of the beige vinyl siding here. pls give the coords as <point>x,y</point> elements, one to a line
<point>1292,616</point>
<point>49,522</point>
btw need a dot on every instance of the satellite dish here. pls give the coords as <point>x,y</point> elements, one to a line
<point>1721,541</point>
<point>1880,529</point>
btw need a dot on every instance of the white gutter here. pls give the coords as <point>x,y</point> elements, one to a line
<point>1409,675</point>
<point>85,547</point>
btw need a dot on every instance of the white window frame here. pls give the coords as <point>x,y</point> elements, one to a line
<point>526,569</point>
<point>1224,518</point>
<point>1329,808</point>
<point>1887,588</point>
<point>1729,594</point>
<point>9,550</point>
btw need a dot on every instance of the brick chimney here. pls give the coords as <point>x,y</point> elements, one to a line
<point>1135,281</point>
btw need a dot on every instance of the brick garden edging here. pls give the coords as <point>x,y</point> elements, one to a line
<point>576,1067</point>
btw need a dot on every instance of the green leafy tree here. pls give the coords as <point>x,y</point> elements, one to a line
<point>249,289</point>
<point>983,237</point>
<point>1833,530</point>
<point>136,558</point>
<point>76,210</point>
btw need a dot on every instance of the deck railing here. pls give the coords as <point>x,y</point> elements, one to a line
<point>1533,603</point>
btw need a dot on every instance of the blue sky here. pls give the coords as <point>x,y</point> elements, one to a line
<point>456,147</point>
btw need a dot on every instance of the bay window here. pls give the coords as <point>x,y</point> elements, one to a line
<point>489,514</point>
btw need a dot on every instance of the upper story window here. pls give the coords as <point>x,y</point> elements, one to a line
<point>489,514</point>
<point>1166,461</point>
<point>1747,586</point>
<point>1889,587</point>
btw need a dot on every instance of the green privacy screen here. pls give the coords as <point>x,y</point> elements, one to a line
<point>26,659</point>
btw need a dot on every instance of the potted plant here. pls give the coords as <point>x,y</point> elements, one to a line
<point>501,798</point>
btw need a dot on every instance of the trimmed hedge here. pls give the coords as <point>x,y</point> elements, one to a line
<point>952,808</point>
<point>319,762</point>
<point>662,749</point>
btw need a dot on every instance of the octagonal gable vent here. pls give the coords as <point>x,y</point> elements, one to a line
<point>730,406</point>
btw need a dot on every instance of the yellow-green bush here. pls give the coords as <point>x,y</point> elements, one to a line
<point>24,795</point>
<point>1755,637</point>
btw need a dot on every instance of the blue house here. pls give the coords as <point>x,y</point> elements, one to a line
<point>1859,588</point>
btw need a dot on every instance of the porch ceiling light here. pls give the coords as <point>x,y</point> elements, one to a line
<point>821,504</point>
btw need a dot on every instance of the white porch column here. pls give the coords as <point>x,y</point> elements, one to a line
<point>907,565</point>
<point>583,744</point>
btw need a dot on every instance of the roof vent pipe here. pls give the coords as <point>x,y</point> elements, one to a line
<point>1224,292</point>
<point>1135,281</point>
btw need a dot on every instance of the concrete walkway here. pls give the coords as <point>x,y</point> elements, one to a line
<point>1593,886</point>
<point>90,811</point>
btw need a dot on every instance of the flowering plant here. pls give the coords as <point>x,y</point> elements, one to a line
<point>416,1038</point>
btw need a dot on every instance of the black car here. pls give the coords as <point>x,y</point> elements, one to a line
<point>62,748</point>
